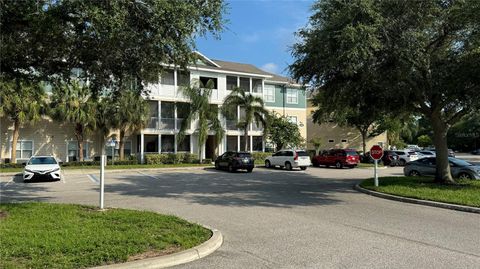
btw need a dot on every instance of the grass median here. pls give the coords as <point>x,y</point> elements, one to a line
<point>466,192</point>
<point>40,235</point>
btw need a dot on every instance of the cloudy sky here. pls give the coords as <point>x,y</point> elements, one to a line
<point>259,32</point>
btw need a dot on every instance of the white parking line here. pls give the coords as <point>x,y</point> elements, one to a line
<point>10,181</point>
<point>147,175</point>
<point>93,178</point>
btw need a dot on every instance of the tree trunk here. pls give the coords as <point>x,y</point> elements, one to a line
<point>121,144</point>
<point>16,132</point>
<point>246,138</point>
<point>79,136</point>
<point>440,129</point>
<point>364,138</point>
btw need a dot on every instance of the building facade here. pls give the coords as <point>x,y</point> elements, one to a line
<point>168,109</point>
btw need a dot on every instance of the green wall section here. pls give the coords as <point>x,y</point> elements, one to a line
<point>281,98</point>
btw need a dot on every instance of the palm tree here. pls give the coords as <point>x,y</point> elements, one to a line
<point>72,102</point>
<point>201,109</point>
<point>254,109</point>
<point>103,118</point>
<point>22,102</point>
<point>129,113</point>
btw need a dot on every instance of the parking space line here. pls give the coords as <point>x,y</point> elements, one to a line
<point>93,178</point>
<point>5,184</point>
<point>147,175</point>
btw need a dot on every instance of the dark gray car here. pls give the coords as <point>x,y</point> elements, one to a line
<point>427,167</point>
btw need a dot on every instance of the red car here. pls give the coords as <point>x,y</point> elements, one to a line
<point>338,158</point>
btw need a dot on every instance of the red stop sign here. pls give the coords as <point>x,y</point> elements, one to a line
<point>376,152</point>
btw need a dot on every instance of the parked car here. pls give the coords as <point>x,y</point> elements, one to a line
<point>390,158</point>
<point>426,153</point>
<point>41,167</point>
<point>405,156</point>
<point>427,167</point>
<point>475,152</point>
<point>338,158</point>
<point>289,159</point>
<point>233,161</point>
<point>451,153</point>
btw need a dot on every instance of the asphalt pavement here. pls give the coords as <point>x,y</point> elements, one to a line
<point>282,219</point>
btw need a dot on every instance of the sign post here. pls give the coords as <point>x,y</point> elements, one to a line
<point>376,152</point>
<point>102,179</point>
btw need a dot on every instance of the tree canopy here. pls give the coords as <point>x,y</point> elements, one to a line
<point>421,56</point>
<point>283,133</point>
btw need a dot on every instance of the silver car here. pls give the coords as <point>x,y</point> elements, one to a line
<point>427,167</point>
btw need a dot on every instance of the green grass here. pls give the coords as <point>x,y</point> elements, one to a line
<point>110,167</point>
<point>466,192</point>
<point>369,165</point>
<point>39,235</point>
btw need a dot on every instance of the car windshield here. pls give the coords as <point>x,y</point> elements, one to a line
<point>351,153</point>
<point>459,162</point>
<point>302,153</point>
<point>42,160</point>
<point>244,155</point>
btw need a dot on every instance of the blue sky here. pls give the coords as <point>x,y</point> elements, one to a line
<point>259,32</point>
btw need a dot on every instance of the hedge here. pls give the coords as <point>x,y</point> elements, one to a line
<point>171,158</point>
<point>261,156</point>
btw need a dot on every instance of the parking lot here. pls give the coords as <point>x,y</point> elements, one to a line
<point>281,219</point>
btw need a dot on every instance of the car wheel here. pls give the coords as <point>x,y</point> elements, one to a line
<point>414,173</point>
<point>230,168</point>
<point>338,165</point>
<point>402,162</point>
<point>288,166</point>
<point>303,167</point>
<point>249,170</point>
<point>464,176</point>
<point>268,164</point>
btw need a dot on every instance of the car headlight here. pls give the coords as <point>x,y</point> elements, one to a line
<point>28,170</point>
<point>55,170</point>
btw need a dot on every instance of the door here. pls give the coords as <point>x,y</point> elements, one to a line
<point>210,147</point>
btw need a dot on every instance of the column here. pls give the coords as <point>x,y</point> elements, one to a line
<point>175,143</point>
<point>250,86</point>
<point>251,143</point>
<point>159,114</point>
<point>238,143</point>
<point>191,143</point>
<point>142,139</point>
<point>175,82</point>
<point>159,143</point>
<point>175,116</point>
<point>238,114</point>
<point>263,144</point>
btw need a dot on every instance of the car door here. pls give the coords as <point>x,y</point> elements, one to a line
<point>275,158</point>
<point>428,166</point>
<point>224,159</point>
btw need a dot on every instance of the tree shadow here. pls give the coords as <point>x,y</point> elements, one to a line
<point>18,191</point>
<point>261,188</point>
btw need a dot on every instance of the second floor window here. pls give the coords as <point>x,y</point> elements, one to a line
<point>204,81</point>
<point>292,96</point>
<point>256,85</point>
<point>183,78</point>
<point>245,84</point>
<point>168,77</point>
<point>269,93</point>
<point>231,83</point>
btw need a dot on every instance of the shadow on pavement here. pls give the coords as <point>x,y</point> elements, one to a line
<point>18,191</point>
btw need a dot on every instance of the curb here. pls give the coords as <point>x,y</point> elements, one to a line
<point>189,255</point>
<point>468,209</point>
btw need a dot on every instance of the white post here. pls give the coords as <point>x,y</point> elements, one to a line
<point>251,143</point>
<point>142,138</point>
<point>375,173</point>
<point>102,179</point>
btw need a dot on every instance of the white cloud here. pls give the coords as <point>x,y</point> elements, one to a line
<point>270,67</point>
<point>250,38</point>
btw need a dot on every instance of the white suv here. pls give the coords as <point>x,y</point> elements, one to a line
<point>289,159</point>
<point>406,155</point>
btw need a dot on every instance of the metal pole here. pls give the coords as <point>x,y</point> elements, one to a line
<point>102,179</point>
<point>113,153</point>
<point>375,173</point>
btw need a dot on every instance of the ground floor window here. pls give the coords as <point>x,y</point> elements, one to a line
<point>232,143</point>
<point>242,143</point>
<point>150,143</point>
<point>184,145</point>
<point>168,143</point>
<point>257,143</point>
<point>24,149</point>
<point>127,151</point>
<point>73,154</point>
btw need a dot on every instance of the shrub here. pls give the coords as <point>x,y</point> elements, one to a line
<point>171,158</point>
<point>11,165</point>
<point>207,161</point>
<point>189,157</point>
<point>261,156</point>
<point>156,158</point>
<point>84,163</point>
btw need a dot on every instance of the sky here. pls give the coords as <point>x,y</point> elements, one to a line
<point>258,32</point>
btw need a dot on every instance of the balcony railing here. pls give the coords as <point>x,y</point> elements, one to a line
<point>167,123</point>
<point>153,123</point>
<point>180,122</point>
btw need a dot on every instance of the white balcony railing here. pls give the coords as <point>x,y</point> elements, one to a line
<point>167,124</point>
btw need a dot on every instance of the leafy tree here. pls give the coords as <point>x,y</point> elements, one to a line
<point>72,102</point>
<point>254,110</point>
<point>422,55</point>
<point>129,112</point>
<point>22,102</point>
<point>465,135</point>
<point>206,114</point>
<point>317,143</point>
<point>103,118</point>
<point>424,141</point>
<point>283,133</point>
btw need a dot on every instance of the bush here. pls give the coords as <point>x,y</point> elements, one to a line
<point>156,158</point>
<point>207,161</point>
<point>189,157</point>
<point>85,163</point>
<point>171,158</point>
<point>261,156</point>
<point>11,165</point>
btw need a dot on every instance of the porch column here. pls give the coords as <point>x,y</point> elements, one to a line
<point>251,143</point>
<point>263,144</point>
<point>142,157</point>
<point>159,143</point>
<point>238,143</point>
<point>159,114</point>
<point>191,143</point>
<point>175,116</point>
<point>175,143</point>
<point>175,82</point>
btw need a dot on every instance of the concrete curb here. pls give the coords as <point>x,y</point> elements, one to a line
<point>182,257</point>
<point>469,209</point>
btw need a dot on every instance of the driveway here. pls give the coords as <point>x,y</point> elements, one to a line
<point>280,219</point>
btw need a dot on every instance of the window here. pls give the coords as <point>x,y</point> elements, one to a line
<point>344,140</point>
<point>292,119</point>
<point>257,143</point>
<point>150,143</point>
<point>127,149</point>
<point>183,78</point>
<point>168,143</point>
<point>184,145</point>
<point>256,85</point>
<point>72,151</point>
<point>269,93</point>
<point>231,83</point>
<point>168,77</point>
<point>24,149</point>
<point>331,141</point>
<point>232,143</point>
<point>292,96</point>
<point>245,84</point>
<point>204,82</point>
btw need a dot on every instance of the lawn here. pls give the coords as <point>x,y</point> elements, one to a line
<point>40,235</point>
<point>464,193</point>
<point>112,167</point>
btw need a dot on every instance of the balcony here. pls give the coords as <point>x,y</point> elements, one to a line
<point>167,124</point>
